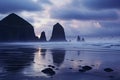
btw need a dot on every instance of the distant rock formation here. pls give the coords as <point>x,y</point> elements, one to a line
<point>14,28</point>
<point>83,39</point>
<point>58,33</point>
<point>43,37</point>
<point>80,39</point>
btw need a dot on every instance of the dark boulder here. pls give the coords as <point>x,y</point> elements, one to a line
<point>58,33</point>
<point>48,71</point>
<point>51,66</point>
<point>43,37</point>
<point>85,68</point>
<point>14,28</point>
<point>108,70</point>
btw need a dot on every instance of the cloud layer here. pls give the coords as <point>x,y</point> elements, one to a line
<point>84,10</point>
<point>7,6</point>
<point>73,14</point>
<point>101,4</point>
<point>79,17</point>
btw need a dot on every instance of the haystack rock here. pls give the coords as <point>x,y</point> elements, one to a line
<point>14,28</point>
<point>58,33</point>
<point>43,37</point>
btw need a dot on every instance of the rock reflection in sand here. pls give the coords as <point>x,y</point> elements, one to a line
<point>28,63</point>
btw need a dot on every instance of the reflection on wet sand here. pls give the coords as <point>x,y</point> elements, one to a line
<point>43,52</point>
<point>27,63</point>
<point>13,60</point>
<point>58,57</point>
<point>44,58</point>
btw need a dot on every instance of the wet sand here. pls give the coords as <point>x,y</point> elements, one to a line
<point>26,62</point>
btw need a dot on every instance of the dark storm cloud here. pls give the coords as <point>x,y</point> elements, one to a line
<point>75,14</point>
<point>78,10</point>
<point>101,4</point>
<point>7,6</point>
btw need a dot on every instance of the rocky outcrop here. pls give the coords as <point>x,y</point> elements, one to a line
<point>58,33</point>
<point>14,28</point>
<point>78,38</point>
<point>43,37</point>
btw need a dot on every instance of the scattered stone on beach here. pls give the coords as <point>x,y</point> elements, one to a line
<point>51,66</point>
<point>85,68</point>
<point>49,71</point>
<point>108,70</point>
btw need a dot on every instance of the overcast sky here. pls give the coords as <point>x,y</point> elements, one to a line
<point>78,17</point>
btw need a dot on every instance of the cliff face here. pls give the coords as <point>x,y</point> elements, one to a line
<point>43,37</point>
<point>14,28</point>
<point>58,33</point>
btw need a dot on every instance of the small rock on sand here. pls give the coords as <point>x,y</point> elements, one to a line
<point>48,71</point>
<point>51,66</point>
<point>108,70</point>
<point>85,68</point>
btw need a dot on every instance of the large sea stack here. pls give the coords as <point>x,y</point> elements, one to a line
<point>43,37</point>
<point>14,28</point>
<point>58,33</point>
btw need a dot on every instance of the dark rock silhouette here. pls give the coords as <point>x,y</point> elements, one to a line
<point>48,71</point>
<point>58,33</point>
<point>43,37</point>
<point>82,39</point>
<point>78,38</point>
<point>14,28</point>
<point>51,66</point>
<point>85,68</point>
<point>108,70</point>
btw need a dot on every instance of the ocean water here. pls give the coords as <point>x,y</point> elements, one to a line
<point>25,61</point>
